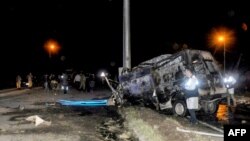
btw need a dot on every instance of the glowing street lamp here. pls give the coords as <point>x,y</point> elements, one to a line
<point>223,37</point>
<point>52,47</point>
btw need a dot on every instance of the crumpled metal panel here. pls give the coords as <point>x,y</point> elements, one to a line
<point>159,59</point>
<point>137,82</point>
<point>164,73</point>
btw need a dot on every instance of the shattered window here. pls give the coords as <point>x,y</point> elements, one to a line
<point>210,66</point>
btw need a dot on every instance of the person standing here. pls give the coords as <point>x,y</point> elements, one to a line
<point>92,83</point>
<point>46,83</point>
<point>191,94</point>
<point>18,82</point>
<point>77,80</point>
<point>82,82</point>
<point>230,84</point>
<point>30,77</point>
<point>64,83</point>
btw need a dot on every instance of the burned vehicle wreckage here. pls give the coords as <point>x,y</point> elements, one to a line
<point>158,82</point>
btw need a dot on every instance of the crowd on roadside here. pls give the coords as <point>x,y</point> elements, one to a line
<point>24,84</point>
<point>79,80</point>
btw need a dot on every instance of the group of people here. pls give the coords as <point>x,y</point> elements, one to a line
<point>79,81</point>
<point>51,82</point>
<point>84,83</point>
<point>29,81</point>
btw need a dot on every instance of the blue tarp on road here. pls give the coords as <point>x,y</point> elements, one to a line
<point>83,103</point>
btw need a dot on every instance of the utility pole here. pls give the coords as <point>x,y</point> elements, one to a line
<point>126,35</point>
<point>224,55</point>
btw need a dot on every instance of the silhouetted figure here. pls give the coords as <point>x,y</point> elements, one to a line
<point>18,82</point>
<point>46,83</point>
<point>92,83</point>
<point>30,78</point>
<point>64,83</point>
<point>77,81</point>
<point>82,82</point>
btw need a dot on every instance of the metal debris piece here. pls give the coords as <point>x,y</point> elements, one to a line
<point>37,120</point>
<point>199,132</point>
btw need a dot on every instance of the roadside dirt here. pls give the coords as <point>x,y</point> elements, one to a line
<point>162,127</point>
<point>67,123</point>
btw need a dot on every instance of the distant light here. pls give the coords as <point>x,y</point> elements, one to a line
<point>229,81</point>
<point>52,47</point>
<point>102,74</point>
<point>244,26</point>
<point>221,38</point>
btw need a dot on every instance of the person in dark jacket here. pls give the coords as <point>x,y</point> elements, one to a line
<point>64,83</point>
<point>64,79</point>
<point>191,94</point>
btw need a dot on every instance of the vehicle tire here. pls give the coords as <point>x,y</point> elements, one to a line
<point>211,108</point>
<point>179,108</point>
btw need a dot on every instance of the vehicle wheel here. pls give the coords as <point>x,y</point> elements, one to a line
<point>211,107</point>
<point>180,108</point>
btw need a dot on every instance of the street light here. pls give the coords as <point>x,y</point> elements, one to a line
<point>221,39</point>
<point>52,46</point>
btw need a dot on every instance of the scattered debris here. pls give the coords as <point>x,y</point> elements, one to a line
<point>243,100</point>
<point>156,127</point>
<point>114,130</point>
<point>211,126</point>
<point>199,132</point>
<point>37,120</point>
<point>47,104</point>
<point>2,130</point>
<point>60,116</point>
<point>109,122</point>
<point>125,136</point>
<point>242,112</point>
<point>21,108</point>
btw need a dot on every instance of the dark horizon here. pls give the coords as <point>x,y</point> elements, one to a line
<point>90,33</point>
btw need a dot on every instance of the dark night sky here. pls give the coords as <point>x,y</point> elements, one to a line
<point>90,31</point>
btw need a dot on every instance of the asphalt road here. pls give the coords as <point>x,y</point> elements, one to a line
<point>66,123</point>
<point>81,124</point>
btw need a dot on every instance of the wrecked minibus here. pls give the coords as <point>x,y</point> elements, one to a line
<point>158,82</point>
